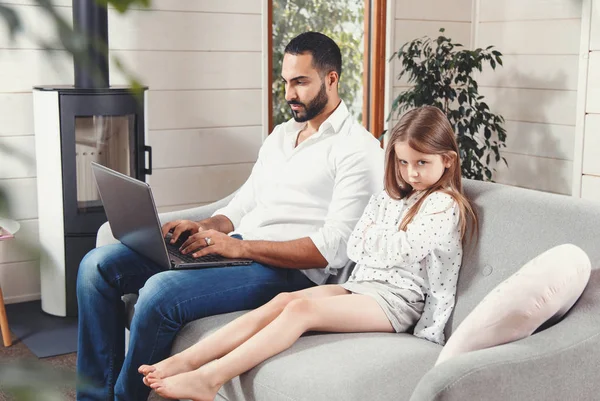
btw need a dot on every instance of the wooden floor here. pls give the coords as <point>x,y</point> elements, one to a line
<point>18,351</point>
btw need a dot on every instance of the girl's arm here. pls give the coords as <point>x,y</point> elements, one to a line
<point>367,220</point>
<point>388,248</point>
<point>439,302</point>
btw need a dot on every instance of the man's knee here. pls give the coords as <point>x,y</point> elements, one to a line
<point>102,268</point>
<point>159,297</point>
<point>90,269</point>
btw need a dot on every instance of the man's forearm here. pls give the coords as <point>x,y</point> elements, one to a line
<point>296,254</point>
<point>219,223</point>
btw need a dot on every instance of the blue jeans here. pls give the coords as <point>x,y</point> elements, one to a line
<point>167,301</point>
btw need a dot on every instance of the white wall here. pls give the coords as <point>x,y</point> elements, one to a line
<point>586,174</point>
<point>203,61</point>
<point>22,65</point>
<point>412,19</point>
<point>535,91</point>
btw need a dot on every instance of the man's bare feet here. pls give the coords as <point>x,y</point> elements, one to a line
<point>168,367</point>
<point>192,385</point>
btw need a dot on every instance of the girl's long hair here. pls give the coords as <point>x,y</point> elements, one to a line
<point>427,130</point>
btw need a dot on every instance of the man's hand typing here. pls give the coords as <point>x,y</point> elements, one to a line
<point>212,241</point>
<point>179,227</point>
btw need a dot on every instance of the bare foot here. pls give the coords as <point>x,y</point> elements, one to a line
<point>148,380</point>
<point>145,369</point>
<point>168,367</point>
<point>192,385</point>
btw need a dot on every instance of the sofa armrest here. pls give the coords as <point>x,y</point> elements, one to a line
<point>559,363</point>
<point>105,236</point>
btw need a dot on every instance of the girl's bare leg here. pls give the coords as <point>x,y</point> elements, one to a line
<point>231,335</point>
<point>341,313</point>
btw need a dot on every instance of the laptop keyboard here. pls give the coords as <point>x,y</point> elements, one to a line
<point>173,249</point>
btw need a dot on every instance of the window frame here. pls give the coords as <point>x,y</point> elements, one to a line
<point>374,63</point>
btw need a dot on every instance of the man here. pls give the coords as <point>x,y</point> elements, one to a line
<point>313,177</point>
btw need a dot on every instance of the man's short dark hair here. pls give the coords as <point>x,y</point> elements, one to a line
<point>326,53</point>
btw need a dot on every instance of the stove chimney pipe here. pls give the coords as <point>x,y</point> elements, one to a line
<point>91,20</point>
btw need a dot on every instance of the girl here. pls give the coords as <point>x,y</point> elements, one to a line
<point>407,246</point>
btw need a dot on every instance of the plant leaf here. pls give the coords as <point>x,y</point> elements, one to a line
<point>12,20</point>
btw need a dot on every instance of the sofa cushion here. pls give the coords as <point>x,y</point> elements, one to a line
<point>542,290</point>
<point>516,225</point>
<point>327,366</point>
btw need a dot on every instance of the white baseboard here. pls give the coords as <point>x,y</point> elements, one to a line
<point>22,298</point>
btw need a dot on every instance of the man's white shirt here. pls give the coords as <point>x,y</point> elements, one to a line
<point>317,189</point>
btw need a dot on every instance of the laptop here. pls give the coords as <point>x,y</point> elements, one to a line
<point>131,212</point>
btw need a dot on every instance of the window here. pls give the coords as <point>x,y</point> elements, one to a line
<point>349,23</point>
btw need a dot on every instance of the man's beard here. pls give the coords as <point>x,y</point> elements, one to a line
<point>314,107</point>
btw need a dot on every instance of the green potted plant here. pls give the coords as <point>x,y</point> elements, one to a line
<point>441,75</point>
<point>30,379</point>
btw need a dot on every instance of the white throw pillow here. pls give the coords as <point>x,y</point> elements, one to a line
<point>542,290</point>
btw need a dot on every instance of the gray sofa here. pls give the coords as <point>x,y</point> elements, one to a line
<point>561,362</point>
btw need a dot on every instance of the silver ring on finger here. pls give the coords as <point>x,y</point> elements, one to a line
<point>208,241</point>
